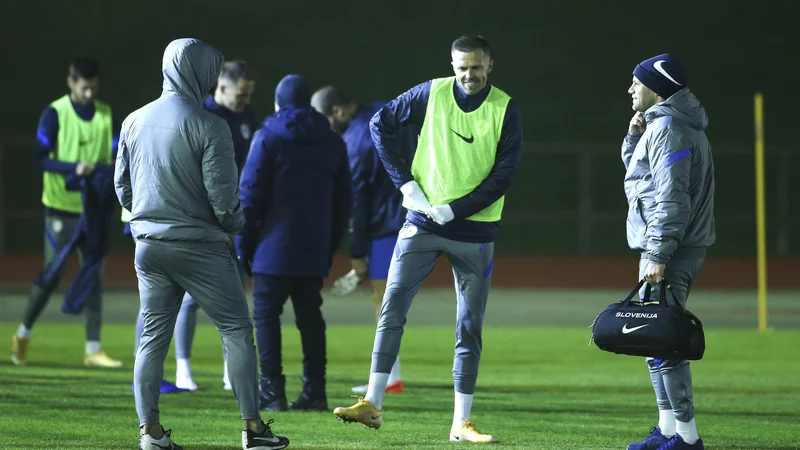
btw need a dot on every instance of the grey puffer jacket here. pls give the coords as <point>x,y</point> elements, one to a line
<point>669,181</point>
<point>175,169</point>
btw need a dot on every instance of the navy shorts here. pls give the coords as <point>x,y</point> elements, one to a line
<point>380,257</point>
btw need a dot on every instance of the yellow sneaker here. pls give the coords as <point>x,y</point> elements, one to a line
<point>19,350</point>
<point>468,433</point>
<point>101,359</point>
<point>362,412</point>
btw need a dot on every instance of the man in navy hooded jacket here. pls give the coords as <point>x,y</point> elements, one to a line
<point>296,197</point>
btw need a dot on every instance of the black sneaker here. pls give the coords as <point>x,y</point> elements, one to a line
<point>147,442</point>
<point>265,440</point>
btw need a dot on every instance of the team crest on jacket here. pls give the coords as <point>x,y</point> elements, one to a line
<point>245,130</point>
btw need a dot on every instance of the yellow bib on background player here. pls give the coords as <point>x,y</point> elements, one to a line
<point>78,140</point>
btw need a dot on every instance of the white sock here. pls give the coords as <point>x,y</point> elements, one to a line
<point>23,332</point>
<point>462,409</point>
<point>225,379</point>
<point>687,430</point>
<point>92,347</point>
<point>184,369</point>
<point>666,422</point>
<point>376,389</point>
<point>394,376</point>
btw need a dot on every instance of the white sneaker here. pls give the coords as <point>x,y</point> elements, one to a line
<point>147,442</point>
<point>186,383</point>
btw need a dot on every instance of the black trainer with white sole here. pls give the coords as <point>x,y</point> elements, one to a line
<point>266,440</point>
<point>147,442</point>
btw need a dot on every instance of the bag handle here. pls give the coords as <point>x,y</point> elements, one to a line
<point>662,295</point>
<point>635,290</point>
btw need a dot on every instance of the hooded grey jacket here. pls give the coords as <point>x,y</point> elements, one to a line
<point>669,181</point>
<point>175,169</point>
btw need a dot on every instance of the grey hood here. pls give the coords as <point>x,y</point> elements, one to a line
<point>682,106</point>
<point>191,68</point>
<point>176,171</point>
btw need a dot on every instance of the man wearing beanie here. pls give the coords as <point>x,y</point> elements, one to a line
<point>296,198</point>
<point>669,183</point>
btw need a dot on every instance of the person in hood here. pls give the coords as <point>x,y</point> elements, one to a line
<point>176,174</point>
<point>296,198</point>
<point>230,101</point>
<point>669,182</point>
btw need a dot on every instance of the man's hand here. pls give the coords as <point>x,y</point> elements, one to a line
<point>637,124</point>
<point>414,199</point>
<point>442,214</point>
<point>347,284</point>
<point>245,251</point>
<point>84,168</point>
<point>360,267</point>
<point>654,273</point>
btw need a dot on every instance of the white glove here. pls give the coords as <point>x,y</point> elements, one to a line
<point>414,199</point>
<point>346,284</point>
<point>442,214</point>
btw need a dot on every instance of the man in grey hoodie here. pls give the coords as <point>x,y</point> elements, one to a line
<point>176,174</point>
<point>669,182</point>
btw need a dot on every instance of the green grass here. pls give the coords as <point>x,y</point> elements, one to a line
<point>538,388</point>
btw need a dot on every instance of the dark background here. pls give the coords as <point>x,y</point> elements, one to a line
<point>567,63</point>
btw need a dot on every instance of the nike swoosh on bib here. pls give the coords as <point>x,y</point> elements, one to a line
<point>626,330</point>
<point>468,140</point>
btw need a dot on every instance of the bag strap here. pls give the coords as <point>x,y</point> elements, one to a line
<point>635,291</point>
<point>662,295</point>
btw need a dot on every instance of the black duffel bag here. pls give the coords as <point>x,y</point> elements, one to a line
<point>654,329</point>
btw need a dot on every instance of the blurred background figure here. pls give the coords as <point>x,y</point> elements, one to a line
<point>76,135</point>
<point>378,212</point>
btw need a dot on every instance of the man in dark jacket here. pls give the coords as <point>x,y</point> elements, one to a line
<point>177,176</point>
<point>296,197</point>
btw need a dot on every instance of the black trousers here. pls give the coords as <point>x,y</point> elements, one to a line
<point>269,295</point>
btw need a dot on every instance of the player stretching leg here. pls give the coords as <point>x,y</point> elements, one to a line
<point>467,155</point>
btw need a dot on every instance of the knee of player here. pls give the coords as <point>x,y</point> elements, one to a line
<point>309,320</point>
<point>261,312</point>
<point>242,327</point>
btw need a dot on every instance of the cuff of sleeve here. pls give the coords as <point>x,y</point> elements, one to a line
<point>656,258</point>
<point>405,180</point>
<point>458,212</point>
<point>633,138</point>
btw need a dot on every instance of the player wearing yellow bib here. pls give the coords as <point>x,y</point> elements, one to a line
<point>76,134</point>
<point>454,187</point>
